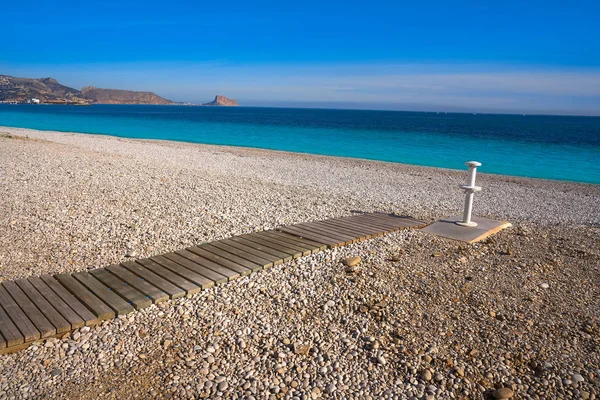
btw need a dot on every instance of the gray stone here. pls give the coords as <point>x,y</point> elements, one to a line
<point>577,378</point>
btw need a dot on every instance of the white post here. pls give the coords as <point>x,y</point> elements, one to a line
<point>470,190</point>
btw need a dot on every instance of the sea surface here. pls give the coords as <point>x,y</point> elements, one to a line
<point>552,147</point>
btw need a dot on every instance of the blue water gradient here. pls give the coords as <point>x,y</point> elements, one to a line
<point>552,147</point>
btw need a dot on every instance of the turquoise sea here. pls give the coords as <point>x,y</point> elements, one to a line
<point>553,147</point>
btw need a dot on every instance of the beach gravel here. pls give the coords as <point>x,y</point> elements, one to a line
<point>419,317</point>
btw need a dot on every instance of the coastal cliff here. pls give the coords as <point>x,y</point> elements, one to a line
<point>49,90</point>
<point>116,96</point>
<point>222,101</point>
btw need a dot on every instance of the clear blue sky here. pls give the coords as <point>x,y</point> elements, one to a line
<point>520,56</point>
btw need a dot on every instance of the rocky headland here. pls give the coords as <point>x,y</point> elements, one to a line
<point>116,96</point>
<point>49,90</point>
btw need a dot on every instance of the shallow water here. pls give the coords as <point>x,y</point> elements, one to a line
<point>553,147</point>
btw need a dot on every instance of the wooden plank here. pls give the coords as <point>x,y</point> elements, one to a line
<point>60,324</point>
<point>244,239</point>
<point>215,263</point>
<point>379,222</point>
<point>291,230</point>
<point>405,224</point>
<point>298,249</point>
<point>202,270</point>
<point>398,222</point>
<point>394,225</point>
<point>352,234</point>
<point>366,225</point>
<point>336,234</point>
<point>331,225</point>
<point>41,323</point>
<point>333,238</point>
<point>374,222</point>
<point>290,240</point>
<point>113,300</point>
<point>309,243</point>
<point>164,285</point>
<point>360,229</point>
<point>232,243</point>
<point>270,245</point>
<point>74,319</point>
<point>11,334</point>
<point>245,266</point>
<point>406,218</point>
<point>331,242</point>
<point>259,260</point>
<point>268,242</point>
<point>184,272</point>
<point>188,286</point>
<point>139,284</point>
<point>83,310</point>
<point>316,246</point>
<point>124,290</point>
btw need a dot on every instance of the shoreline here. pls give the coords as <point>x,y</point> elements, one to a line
<point>41,133</point>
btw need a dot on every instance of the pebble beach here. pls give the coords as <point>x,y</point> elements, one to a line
<point>419,317</point>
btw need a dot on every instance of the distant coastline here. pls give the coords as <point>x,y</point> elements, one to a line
<point>49,91</point>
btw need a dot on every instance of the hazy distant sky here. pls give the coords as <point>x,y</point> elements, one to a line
<point>505,56</point>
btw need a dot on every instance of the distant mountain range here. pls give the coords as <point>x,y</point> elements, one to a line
<point>48,90</point>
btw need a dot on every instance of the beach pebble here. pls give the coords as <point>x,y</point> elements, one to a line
<point>544,285</point>
<point>426,375</point>
<point>267,332</point>
<point>301,349</point>
<point>352,261</point>
<point>503,393</point>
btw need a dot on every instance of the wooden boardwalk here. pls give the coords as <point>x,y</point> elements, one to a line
<point>41,307</point>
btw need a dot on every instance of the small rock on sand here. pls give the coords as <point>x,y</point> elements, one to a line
<point>503,393</point>
<point>301,349</point>
<point>352,261</point>
<point>426,375</point>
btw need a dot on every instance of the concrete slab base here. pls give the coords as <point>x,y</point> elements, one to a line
<point>448,228</point>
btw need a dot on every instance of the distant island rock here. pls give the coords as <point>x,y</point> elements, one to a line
<point>222,101</point>
<point>48,90</point>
